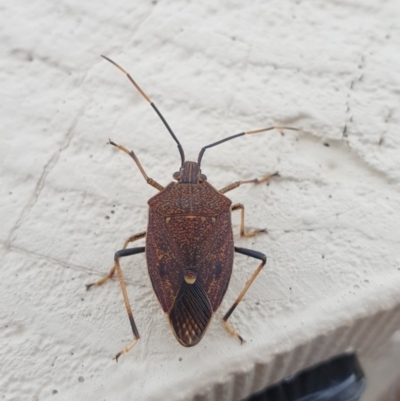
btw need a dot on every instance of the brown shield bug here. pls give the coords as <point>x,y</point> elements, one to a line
<point>189,244</point>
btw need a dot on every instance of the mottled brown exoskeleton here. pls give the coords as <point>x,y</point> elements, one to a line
<point>189,245</point>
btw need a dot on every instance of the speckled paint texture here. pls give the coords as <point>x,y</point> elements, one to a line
<point>68,200</point>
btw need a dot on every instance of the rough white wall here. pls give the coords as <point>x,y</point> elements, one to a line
<point>214,69</point>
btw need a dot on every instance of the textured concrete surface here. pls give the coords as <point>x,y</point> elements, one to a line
<point>68,201</point>
<point>383,366</point>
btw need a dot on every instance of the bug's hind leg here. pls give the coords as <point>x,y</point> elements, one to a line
<point>120,254</point>
<point>112,271</point>
<point>254,181</point>
<point>243,232</point>
<point>252,254</point>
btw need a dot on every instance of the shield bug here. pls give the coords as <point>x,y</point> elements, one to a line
<point>189,244</point>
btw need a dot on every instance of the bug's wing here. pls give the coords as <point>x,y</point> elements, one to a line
<point>191,314</point>
<point>165,268</point>
<point>217,262</point>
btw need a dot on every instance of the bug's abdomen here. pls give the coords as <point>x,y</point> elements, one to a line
<point>177,245</point>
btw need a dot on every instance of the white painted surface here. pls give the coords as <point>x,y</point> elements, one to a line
<point>214,69</point>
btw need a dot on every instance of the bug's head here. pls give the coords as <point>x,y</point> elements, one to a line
<point>189,173</point>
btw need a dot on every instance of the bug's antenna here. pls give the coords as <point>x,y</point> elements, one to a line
<point>152,105</point>
<point>236,136</point>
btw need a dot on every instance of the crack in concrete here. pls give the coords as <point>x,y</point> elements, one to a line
<point>40,185</point>
<point>344,146</point>
<point>59,262</point>
<point>349,119</point>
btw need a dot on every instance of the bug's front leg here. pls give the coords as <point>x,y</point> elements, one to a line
<point>253,181</point>
<point>131,153</point>
<point>112,271</point>
<point>252,254</point>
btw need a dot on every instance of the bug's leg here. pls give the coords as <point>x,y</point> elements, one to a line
<point>131,153</point>
<point>254,181</point>
<point>252,254</point>
<point>120,254</point>
<point>243,232</point>
<point>112,271</point>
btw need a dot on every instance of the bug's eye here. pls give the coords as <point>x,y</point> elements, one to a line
<point>176,175</point>
<point>203,177</point>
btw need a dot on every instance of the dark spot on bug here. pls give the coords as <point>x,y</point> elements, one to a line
<point>107,217</point>
<point>234,38</point>
<point>81,379</point>
<point>323,256</point>
<point>154,2</point>
<point>326,144</point>
<point>10,193</point>
<point>180,359</point>
<point>257,303</point>
<point>290,288</point>
<point>161,269</point>
<point>112,212</point>
<point>55,392</point>
<point>330,196</point>
<point>218,269</point>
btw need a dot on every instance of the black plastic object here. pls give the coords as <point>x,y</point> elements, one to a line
<point>338,379</point>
